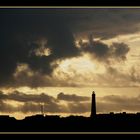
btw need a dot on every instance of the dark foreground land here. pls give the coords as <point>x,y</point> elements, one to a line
<point>99,123</point>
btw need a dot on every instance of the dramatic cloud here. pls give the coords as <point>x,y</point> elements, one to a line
<point>72,97</point>
<point>34,40</point>
<point>104,23</point>
<point>104,52</point>
<point>39,37</point>
<point>31,103</point>
<point>98,51</point>
<point>68,48</point>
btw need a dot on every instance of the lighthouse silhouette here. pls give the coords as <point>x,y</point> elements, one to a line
<point>93,105</point>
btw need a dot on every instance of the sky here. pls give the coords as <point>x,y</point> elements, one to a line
<point>56,57</point>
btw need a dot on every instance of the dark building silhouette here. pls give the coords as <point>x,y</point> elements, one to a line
<point>112,122</point>
<point>93,105</point>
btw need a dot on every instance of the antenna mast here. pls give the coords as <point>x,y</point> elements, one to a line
<point>42,109</point>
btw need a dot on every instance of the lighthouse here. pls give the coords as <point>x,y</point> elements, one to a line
<point>93,105</point>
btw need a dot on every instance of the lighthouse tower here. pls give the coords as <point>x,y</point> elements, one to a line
<point>93,105</point>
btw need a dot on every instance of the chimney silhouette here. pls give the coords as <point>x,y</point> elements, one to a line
<point>93,105</point>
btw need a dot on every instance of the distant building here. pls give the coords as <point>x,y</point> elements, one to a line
<point>93,105</point>
<point>6,117</point>
<point>138,113</point>
<point>111,113</point>
<point>124,113</point>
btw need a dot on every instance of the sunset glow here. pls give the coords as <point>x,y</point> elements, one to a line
<point>58,58</point>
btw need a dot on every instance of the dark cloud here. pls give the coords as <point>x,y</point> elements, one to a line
<point>23,30</point>
<point>117,52</point>
<point>71,97</point>
<point>34,80</point>
<point>105,23</point>
<point>22,97</point>
<point>104,52</point>
<point>41,98</point>
<point>32,103</point>
<point>19,41</point>
<point>120,50</point>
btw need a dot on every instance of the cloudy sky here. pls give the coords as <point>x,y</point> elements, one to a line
<point>57,57</point>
